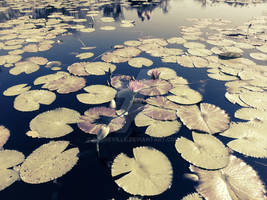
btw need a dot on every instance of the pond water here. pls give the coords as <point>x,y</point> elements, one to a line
<point>218,50</point>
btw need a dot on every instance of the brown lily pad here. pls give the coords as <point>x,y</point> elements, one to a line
<point>95,118</point>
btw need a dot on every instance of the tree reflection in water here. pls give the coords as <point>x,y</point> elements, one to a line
<point>113,9</point>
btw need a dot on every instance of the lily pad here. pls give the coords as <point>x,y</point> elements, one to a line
<point>9,158</point>
<point>208,118</point>
<point>66,84</point>
<point>95,118</point>
<point>48,162</point>
<point>139,62</point>
<point>259,56</point>
<point>162,102</point>
<point>206,151</point>
<point>53,123</point>
<point>164,73</point>
<point>193,196</point>
<point>31,100</point>
<point>78,69</point>
<point>157,128</point>
<point>25,66</point>
<point>4,135</point>
<point>148,173</point>
<point>158,113</point>
<point>200,52</point>
<point>97,94</point>
<point>255,99</point>
<point>99,68</point>
<point>184,95</point>
<point>155,87</point>
<point>85,55</point>
<point>249,140</point>
<point>37,60</point>
<point>236,181</point>
<point>16,90</point>
<point>250,114</point>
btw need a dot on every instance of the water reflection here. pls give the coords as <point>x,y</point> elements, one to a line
<point>113,9</point>
<point>234,3</point>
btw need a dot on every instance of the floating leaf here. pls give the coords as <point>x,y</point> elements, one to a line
<point>48,162</point>
<point>250,140</point>
<point>234,99</point>
<point>165,73</point>
<point>207,118</point>
<point>95,118</point>
<point>139,62</point>
<point>111,57</point>
<point>25,66</point>
<point>176,40</point>
<point>66,84</point>
<point>9,158</point>
<point>97,94</point>
<point>192,196</point>
<point>107,19</point>
<point>37,60</point>
<point>107,28</point>
<point>31,100</point>
<point>49,78</point>
<point>262,48</point>
<point>259,56</point>
<point>178,81</point>
<point>132,43</point>
<point>53,123</point>
<point>16,90</point>
<point>85,55</point>
<point>194,45</point>
<point>200,52</point>
<point>162,102</point>
<point>4,135</point>
<point>159,113</point>
<point>78,69</point>
<point>155,87</point>
<point>250,114</point>
<point>236,181</point>
<point>148,173</point>
<point>157,128</point>
<point>99,68</point>
<point>52,64</point>
<point>255,99</point>
<point>206,151</point>
<point>184,95</point>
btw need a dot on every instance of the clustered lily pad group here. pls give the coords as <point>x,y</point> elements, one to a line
<point>167,103</point>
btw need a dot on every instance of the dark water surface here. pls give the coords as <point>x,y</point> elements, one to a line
<point>91,177</point>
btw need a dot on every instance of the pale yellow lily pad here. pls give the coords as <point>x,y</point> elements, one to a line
<point>184,95</point>
<point>149,172</point>
<point>249,140</point>
<point>48,162</point>
<point>97,94</point>
<point>85,55</point>
<point>53,123</point>
<point>31,100</point>
<point>99,68</point>
<point>208,118</point>
<point>236,181</point>
<point>206,151</point>
<point>16,89</point>
<point>9,158</point>
<point>139,62</point>
<point>157,128</point>
<point>25,66</point>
